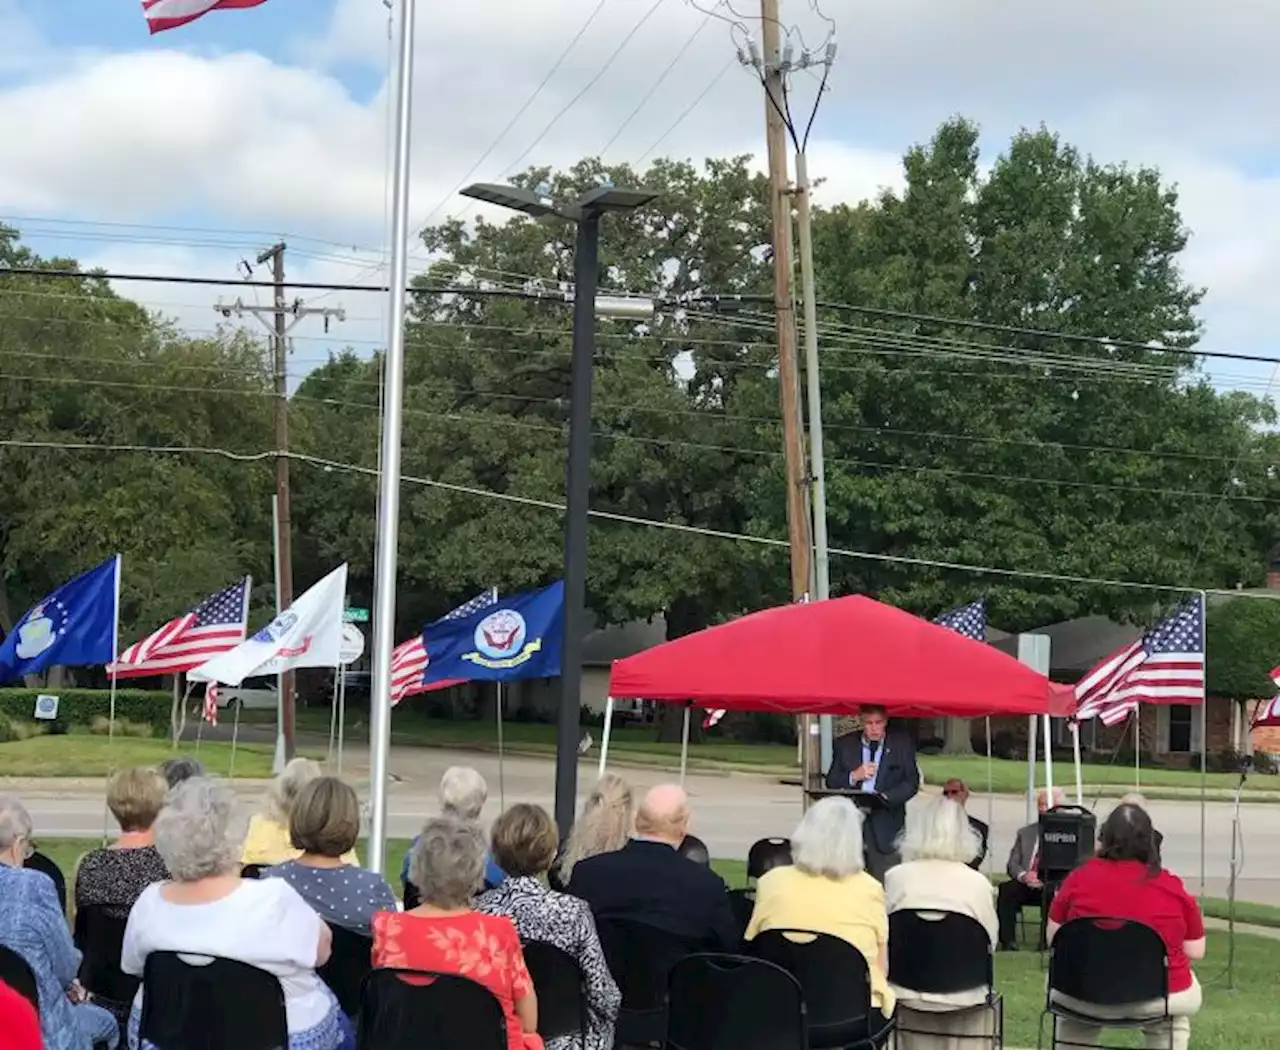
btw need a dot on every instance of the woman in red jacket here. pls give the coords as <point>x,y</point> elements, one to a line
<point>1125,881</point>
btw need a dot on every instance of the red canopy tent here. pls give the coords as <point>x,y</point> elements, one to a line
<point>833,657</point>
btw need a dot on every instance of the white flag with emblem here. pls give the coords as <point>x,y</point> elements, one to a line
<point>307,634</point>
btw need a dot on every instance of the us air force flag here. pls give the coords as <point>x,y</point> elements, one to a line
<point>519,636</point>
<point>307,634</point>
<point>75,626</point>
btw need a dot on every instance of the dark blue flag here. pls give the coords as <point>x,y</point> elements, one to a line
<point>75,626</point>
<point>518,636</point>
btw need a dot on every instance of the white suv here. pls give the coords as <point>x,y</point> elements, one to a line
<point>253,694</point>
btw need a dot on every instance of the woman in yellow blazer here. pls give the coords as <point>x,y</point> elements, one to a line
<point>827,890</point>
<point>267,840</point>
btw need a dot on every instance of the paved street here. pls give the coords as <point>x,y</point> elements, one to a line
<point>730,812</point>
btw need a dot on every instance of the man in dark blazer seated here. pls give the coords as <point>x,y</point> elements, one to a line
<point>958,791</point>
<point>649,881</point>
<point>876,761</point>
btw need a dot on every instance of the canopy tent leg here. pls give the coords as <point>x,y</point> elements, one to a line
<point>991,799</point>
<point>1075,750</point>
<point>684,744</point>
<point>1048,757</point>
<point>1031,769</point>
<point>502,757</point>
<point>604,736</point>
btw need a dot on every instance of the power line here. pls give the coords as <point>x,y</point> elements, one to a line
<point>687,111</point>
<point>629,519</point>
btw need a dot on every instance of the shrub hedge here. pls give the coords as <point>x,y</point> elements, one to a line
<point>79,707</point>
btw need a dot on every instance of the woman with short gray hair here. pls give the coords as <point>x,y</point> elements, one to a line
<point>206,909</point>
<point>827,890</point>
<point>445,935</point>
<point>32,924</point>
<point>935,877</point>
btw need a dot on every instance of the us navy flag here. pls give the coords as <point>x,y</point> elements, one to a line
<point>519,636</point>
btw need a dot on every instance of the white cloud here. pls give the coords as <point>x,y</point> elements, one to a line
<point>250,142</point>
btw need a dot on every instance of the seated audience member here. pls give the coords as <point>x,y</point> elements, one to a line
<point>49,868</point>
<point>523,842</point>
<point>1125,881</point>
<point>1024,886</point>
<point>935,876</point>
<point>604,825</point>
<point>324,824</point>
<point>207,909</point>
<point>827,889</point>
<point>114,877</point>
<point>19,1025</point>
<point>1134,799</point>
<point>648,881</point>
<point>179,768</point>
<point>267,840</point>
<point>35,927</point>
<point>958,791</point>
<point>463,793</point>
<point>445,935</point>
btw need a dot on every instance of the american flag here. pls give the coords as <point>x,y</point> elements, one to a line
<point>169,14</point>
<point>211,703</point>
<point>969,620</point>
<point>214,626</point>
<point>409,660</point>
<point>1164,666</point>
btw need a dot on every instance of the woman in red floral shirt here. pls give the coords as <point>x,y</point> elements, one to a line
<point>445,935</point>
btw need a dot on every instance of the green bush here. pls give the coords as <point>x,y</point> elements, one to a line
<point>101,726</point>
<point>79,707</point>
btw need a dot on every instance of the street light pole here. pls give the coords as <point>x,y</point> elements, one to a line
<point>586,212</point>
<point>586,276</point>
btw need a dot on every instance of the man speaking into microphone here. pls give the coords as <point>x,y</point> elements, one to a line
<point>876,762</point>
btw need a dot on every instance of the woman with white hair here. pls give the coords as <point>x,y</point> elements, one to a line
<point>827,890</point>
<point>445,934</point>
<point>268,840</point>
<point>32,924</point>
<point>937,847</point>
<point>206,909</point>
<point>463,793</point>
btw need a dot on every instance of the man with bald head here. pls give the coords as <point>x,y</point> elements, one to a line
<point>649,881</point>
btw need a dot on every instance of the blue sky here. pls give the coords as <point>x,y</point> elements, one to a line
<point>272,120</point>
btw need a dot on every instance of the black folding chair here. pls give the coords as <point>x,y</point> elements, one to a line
<point>836,984</point>
<point>943,953</point>
<point>561,988</point>
<point>99,934</point>
<point>412,1009</point>
<point>349,964</point>
<point>640,957</point>
<point>16,972</point>
<point>221,1004</point>
<point>411,897</point>
<point>1114,963</point>
<point>695,850</point>
<point>253,871</point>
<point>767,854</point>
<point>742,903</point>
<point>734,1002</point>
<point>39,862</point>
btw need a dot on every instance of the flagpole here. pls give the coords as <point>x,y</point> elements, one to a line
<point>1204,735</point>
<point>1137,747</point>
<point>277,763</point>
<point>111,712</point>
<point>342,713</point>
<point>384,588</point>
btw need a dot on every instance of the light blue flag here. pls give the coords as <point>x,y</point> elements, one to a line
<point>75,626</point>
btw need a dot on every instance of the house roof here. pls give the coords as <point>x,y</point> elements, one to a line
<point>1077,645</point>
<point>603,645</point>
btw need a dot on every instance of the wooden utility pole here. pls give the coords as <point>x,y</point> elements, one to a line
<point>784,310</point>
<point>280,328</point>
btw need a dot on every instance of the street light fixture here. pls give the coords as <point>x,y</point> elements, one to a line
<point>586,212</point>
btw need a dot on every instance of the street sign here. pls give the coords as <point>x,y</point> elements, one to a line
<point>355,616</point>
<point>352,644</point>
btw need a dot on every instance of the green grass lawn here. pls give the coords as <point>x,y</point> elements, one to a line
<point>1231,1020</point>
<point>96,756</point>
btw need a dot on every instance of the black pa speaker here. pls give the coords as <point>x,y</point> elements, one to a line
<point>1067,837</point>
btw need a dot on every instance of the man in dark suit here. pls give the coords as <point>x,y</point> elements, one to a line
<point>649,881</point>
<point>1024,886</point>
<point>875,761</point>
<point>958,791</point>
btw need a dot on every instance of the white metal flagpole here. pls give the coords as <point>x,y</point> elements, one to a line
<point>277,764</point>
<point>388,531</point>
<point>502,772</point>
<point>111,713</point>
<point>1075,748</point>
<point>342,712</point>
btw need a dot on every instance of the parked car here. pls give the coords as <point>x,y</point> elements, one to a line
<point>253,694</point>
